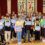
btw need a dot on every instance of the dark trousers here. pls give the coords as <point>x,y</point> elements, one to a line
<point>23,32</point>
<point>37,35</point>
<point>31,32</point>
<point>27,31</point>
<point>1,36</point>
<point>13,34</point>
<point>44,32</point>
<point>25,35</point>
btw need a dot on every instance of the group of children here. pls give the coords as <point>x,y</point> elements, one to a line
<point>21,26</point>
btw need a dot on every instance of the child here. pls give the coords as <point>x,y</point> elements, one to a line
<point>1,30</point>
<point>7,29</point>
<point>18,29</point>
<point>43,26</point>
<point>23,29</point>
<point>13,21</point>
<point>32,24</point>
<point>27,28</point>
<point>37,29</point>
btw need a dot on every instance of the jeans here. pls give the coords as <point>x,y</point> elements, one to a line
<point>1,36</point>
<point>19,36</point>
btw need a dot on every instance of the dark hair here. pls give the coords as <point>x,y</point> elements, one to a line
<point>37,19</point>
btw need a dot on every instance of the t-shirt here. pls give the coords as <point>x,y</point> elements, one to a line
<point>42,22</point>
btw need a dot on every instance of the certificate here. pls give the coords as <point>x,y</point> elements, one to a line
<point>1,27</point>
<point>13,21</point>
<point>28,23</point>
<point>18,28</point>
<point>37,28</point>
<point>7,24</point>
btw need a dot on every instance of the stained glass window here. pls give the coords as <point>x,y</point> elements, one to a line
<point>25,6</point>
<point>43,6</point>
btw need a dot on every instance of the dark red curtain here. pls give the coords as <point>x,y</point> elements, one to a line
<point>14,6</point>
<point>40,5</point>
<point>3,7</point>
<point>0,9</point>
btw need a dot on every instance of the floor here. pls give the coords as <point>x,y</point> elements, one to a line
<point>27,43</point>
<point>32,43</point>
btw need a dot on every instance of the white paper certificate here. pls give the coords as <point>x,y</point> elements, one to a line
<point>28,23</point>
<point>7,24</point>
<point>37,28</point>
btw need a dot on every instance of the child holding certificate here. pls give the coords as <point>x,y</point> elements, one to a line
<point>7,29</point>
<point>37,30</point>
<point>27,28</point>
<point>18,29</point>
<point>1,30</point>
<point>32,24</point>
<point>13,21</point>
<point>44,26</point>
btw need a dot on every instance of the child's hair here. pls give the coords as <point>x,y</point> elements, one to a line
<point>37,19</point>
